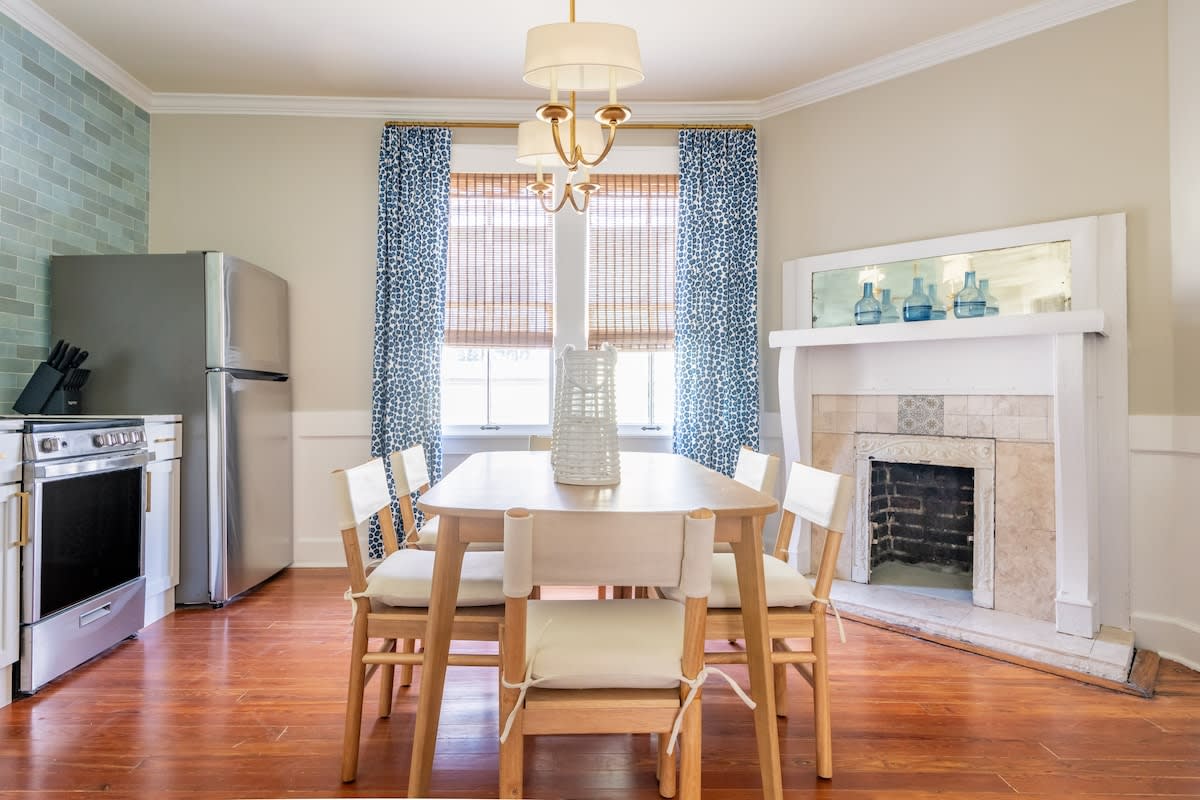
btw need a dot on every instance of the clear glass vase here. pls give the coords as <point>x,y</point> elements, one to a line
<point>937,309</point>
<point>887,309</point>
<point>969,302</point>
<point>991,306</point>
<point>867,310</point>
<point>917,306</point>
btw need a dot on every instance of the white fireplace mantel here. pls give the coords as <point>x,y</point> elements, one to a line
<point>1078,357</point>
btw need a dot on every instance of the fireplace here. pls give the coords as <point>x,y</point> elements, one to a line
<point>924,514</point>
<point>922,522</point>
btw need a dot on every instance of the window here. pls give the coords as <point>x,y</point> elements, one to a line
<point>496,364</point>
<point>631,291</point>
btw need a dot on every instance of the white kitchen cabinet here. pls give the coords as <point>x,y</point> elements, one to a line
<point>161,552</point>
<point>10,561</point>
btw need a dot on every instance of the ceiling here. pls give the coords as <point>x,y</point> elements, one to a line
<point>701,50</point>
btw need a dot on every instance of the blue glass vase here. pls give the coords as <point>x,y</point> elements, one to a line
<point>866,311</point>
<point>969,302</point>
<point>991,306</point>
<point>917,306</point>
<point>887,309</point>
<point>937,309</point>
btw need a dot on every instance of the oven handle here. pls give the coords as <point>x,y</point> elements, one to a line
<point>107,464</point>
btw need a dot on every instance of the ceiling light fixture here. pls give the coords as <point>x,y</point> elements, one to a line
<point>577,57</point>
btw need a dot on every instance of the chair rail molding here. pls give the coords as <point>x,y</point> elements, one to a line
<point>1080,358</point>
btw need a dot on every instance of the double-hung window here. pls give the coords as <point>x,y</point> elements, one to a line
<point>631,291</point>
<point>496,364</point>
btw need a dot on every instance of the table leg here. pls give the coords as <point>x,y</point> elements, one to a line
<point>447,571</point>
<point>748,557</point>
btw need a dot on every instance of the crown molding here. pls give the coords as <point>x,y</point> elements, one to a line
<point>997,31</point>
<point>31,17</point>
<point>1023,22</point>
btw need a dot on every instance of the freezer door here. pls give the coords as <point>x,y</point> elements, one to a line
<point>250,482</point>
<point>246,311</point>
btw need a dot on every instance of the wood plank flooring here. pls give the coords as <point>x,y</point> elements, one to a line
<point>248,701</point>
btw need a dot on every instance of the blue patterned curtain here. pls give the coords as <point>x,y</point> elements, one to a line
<point>716,297</point>
<point>410,297</point>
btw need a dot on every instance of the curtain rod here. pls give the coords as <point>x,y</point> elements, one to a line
<point>644,126</point>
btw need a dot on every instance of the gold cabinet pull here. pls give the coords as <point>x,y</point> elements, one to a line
<point>149,484</point>
<point>164,439</point>
<point>24,540</point>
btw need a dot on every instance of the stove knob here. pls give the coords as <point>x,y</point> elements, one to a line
<point>139,436</point>
<point>111,438</point>
<point>125,438</point>
<point>50,445</point>
<point>98,440</point>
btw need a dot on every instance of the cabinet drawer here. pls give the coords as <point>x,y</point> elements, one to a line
<point>165,440</point>
<point>10,457</point>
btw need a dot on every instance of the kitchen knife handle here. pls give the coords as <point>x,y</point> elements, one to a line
<point>24,540</point>
<point>149,477</point>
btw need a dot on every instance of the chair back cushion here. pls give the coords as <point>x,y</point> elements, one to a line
<point>756,470</point>
<point>823,498</point>
<point>362,492</point>
<point>409,470</point>
<point>547,548</point>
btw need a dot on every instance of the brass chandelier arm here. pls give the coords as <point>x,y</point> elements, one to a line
<point>568,196</point>
<point>576,159</point>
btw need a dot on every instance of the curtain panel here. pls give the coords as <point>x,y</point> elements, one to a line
<point>410,298</point>
<point>716,297</point>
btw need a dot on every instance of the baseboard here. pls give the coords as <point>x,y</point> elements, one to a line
<point>1173,638</point>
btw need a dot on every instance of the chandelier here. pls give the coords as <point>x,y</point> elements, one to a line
<point>575,57</point>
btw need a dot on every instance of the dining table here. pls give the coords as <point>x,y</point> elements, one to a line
<point>471,501</point>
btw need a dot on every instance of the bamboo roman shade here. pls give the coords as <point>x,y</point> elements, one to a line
<point>500,275</point>
<point>631,261</point>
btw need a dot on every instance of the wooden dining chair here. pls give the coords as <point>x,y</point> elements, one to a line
<point>796,609</point>
<point>410,472</point>
<point>605,666</point>
<point>541,443</point>
<point>390,600</point>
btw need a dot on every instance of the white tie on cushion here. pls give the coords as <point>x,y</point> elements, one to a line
<point>404,579</point>
<point>785,587</point>
<point>429,533</point>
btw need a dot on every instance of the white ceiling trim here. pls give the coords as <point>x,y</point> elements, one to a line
<point>974,39</point>
<point>985,35</point>
<point>31,17</point>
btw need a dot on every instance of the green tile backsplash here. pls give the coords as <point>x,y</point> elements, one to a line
<point>74,179</point>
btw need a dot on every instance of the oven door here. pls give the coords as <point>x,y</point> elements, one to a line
<point>85,530</point>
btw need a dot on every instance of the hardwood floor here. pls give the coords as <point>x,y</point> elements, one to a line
<point>248,701</point>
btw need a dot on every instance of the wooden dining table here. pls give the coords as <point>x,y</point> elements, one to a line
<point>471,501</point>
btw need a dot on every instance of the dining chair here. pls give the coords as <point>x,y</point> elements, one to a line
<point>796,609</point>
<point>390,600</point>
<point>605,666</point>
<point>410,472</point>
<point>542,443</point>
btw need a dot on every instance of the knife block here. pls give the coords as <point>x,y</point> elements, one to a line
<point>66,399</point>
<point>43,383</point>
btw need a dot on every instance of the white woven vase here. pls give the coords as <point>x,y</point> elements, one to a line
<point>584,451</point>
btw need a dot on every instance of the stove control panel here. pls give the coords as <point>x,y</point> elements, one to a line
<point>46,441</point>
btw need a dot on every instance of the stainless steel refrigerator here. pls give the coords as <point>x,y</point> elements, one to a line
<point>205,335</point>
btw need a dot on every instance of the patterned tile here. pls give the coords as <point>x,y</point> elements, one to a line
<point>921,414</point>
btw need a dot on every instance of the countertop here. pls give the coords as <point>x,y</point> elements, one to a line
<point>14,422</point>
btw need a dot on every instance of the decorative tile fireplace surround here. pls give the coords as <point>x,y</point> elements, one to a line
<point>1035,405</point>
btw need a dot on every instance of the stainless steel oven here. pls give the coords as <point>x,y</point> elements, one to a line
<point>82,584</point>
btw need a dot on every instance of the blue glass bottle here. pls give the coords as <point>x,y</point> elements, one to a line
<point>937,309</point>
<point>969,301</point>
<point>887,309</point>
<point>917,306</point>
<point>866,311</point>
<point>991,306</point>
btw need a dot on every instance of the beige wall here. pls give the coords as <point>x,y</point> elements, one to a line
<point>1066,123</point>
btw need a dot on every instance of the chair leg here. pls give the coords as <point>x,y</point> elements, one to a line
<point>387,681</point>
<point>666,768</point>
<point>781,678</point>
<point>689,753</point>
<point>822,722</point>
<point>601,592</point>
<point>354,700</point>
<point>406,670</point>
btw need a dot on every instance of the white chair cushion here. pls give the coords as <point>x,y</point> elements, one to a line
<point>785,586</point>
<point>404,579</point>
<point>605,644</point>
<point>429,534</point>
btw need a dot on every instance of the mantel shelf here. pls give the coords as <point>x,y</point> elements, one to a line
<point>1048,324</point>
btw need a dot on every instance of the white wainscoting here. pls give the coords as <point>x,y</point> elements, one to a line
<point>327,440</point>
<point>1164,474</point>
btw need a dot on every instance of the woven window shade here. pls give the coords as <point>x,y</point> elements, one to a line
<point>500,276</point>
<point>631,260</point>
